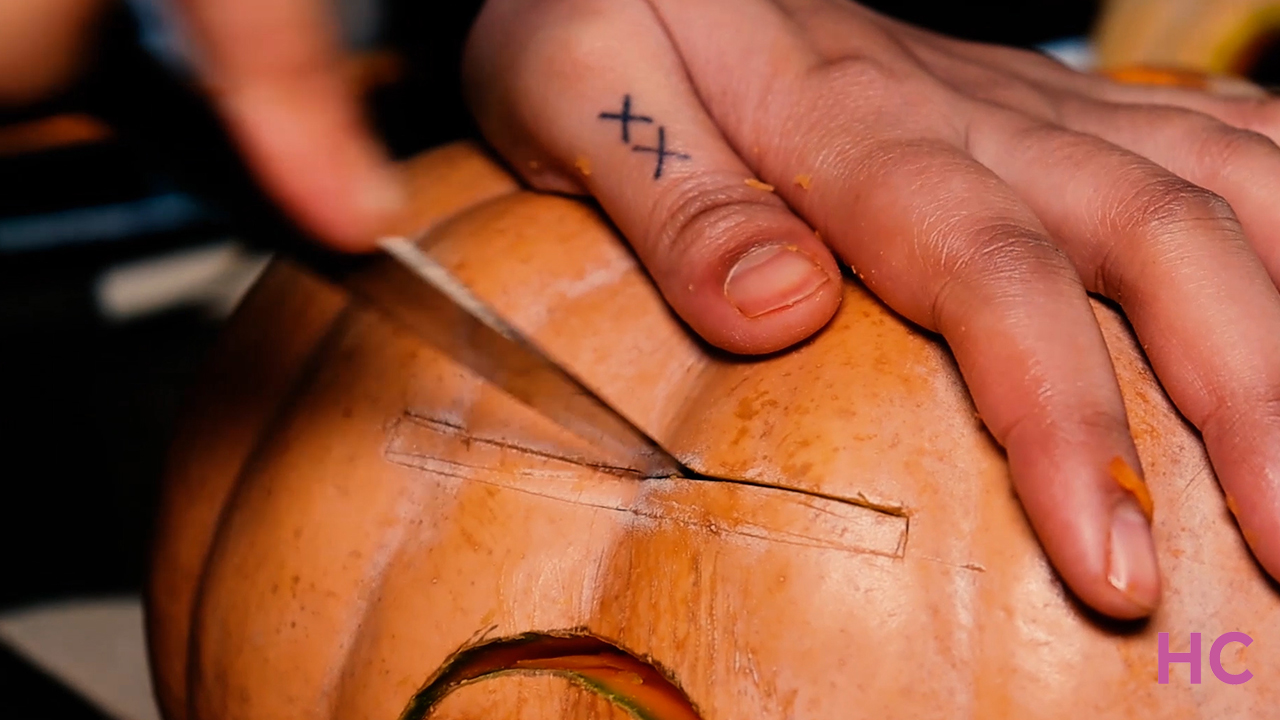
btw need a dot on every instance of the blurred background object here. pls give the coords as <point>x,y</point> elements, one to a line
<point>128,230</point>
<point>1234,37</point>
<point>45,46</point>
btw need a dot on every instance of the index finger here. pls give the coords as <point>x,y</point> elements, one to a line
<point>274,71</point>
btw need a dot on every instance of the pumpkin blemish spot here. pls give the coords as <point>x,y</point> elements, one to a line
<point>803,181</point>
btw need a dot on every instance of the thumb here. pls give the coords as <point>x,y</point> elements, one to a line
<point>274,71</point>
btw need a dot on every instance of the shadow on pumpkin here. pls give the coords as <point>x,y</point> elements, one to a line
<point>595,664</point>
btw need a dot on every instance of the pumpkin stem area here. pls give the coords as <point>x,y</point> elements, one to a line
<point>593,663</point>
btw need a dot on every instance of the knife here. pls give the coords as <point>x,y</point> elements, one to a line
<point>409,287</point>
<point>180,131</point>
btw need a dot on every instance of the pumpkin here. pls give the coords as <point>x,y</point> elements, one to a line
<point>355,527</point>
<point>1210,36</point>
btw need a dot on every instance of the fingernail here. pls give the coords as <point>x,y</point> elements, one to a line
<point>1132,566</point>
<point>771,278</point>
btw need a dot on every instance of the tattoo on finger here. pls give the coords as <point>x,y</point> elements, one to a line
<point>625,117</point>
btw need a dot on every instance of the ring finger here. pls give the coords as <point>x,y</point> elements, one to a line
<point>1176,259</point>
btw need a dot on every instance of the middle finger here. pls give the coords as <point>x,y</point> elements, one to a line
<point>1175,257</point>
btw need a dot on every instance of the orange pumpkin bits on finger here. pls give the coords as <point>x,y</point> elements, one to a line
<point>1127,478</point>
<point>346,508</point>
<point>1231,505</point>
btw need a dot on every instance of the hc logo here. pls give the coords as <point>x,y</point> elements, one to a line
<point>1192,658</point>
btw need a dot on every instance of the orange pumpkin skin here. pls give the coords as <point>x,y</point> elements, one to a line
<point>347,509</point>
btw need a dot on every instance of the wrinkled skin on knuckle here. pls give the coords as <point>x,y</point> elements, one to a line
<point>1168,207</point>
<point>1224,415</point>
<point>1018,95</point>
<point>876,93</point>
<point>1219,149</point>
<point>1172,225</point>
<point>867,76</point>
<point>1055,413</point>
<point>698,220</point>
<point>847,118</point>
<point>911,171</point>
<point>997,266</point>
<point>1260,115</point>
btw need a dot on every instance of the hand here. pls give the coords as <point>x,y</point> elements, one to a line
<point>981,192</point>
<point>43,46</point>
<point>274,70</point>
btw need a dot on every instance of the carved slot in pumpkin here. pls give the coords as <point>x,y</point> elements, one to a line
<point>637,686</point>
<point>777,514</point>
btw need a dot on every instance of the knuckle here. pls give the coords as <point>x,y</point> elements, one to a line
<point>698,217</point>
<point>1221,147</point>
<point>1255,115</point>
<point>1053,411</point>
<point>996,262</point>
<point>1178,224</point>
<point>1168,206</point>
<point>859,76</point>
<point>872,98</point>
<point>1009,249</point>
<point>1019,95</point>
<point>881,92</point>
<point>1010,92</point>
<point>1234,415</point>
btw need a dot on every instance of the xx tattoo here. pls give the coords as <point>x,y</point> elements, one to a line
<point>625,118</point>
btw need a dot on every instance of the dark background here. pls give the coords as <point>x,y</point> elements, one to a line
<point>89,405</point>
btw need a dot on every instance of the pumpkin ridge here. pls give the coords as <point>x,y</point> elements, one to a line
<point>309,367</point>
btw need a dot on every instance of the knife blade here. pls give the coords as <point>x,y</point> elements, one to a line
<point>185,136</point>
<point>420,294</point>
